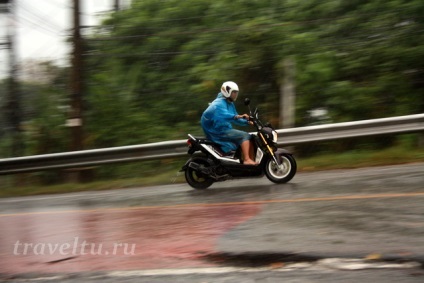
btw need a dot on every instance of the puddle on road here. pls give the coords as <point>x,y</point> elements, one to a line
<point>72,240</point>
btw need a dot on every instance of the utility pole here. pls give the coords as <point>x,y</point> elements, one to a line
<point>75,120</point>
<point>288,94</point>
<point>116,6</point>
<point>13,106</point>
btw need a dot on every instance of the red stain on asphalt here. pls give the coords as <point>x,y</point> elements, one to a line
<point>130,239</point>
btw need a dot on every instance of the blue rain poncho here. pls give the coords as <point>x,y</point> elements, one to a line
<point>217,122</point>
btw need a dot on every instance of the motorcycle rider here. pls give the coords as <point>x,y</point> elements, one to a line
<point>217,122</point>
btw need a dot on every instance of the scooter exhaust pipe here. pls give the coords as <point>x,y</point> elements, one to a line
<point>200,168</point>
<point>195,166</point>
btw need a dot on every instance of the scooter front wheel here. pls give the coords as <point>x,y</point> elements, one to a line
<point>283,173</point>
<point>196,179</point>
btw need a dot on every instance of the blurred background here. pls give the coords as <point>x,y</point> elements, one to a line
<point>93,74</point>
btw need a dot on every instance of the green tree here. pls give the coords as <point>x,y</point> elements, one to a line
<point>151,69</point>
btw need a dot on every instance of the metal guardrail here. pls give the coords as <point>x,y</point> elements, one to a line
<point>170,149</point>
<point>392,125</point>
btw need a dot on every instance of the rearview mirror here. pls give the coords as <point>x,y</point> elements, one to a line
<point>246,101</point>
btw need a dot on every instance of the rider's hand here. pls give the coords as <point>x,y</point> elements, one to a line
<point>244,116</point>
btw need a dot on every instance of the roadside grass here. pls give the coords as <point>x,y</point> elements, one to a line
<point>347,160</point>
<point>362,158</point>
<point>165,178</point>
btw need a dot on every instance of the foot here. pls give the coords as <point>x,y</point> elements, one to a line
<point>249,162</point>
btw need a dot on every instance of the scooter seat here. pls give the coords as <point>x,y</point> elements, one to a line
<point>217,147</point>
<point>206,141</point>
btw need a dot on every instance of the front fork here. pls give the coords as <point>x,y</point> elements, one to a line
<point>276,160</point>
<point>277,155</point>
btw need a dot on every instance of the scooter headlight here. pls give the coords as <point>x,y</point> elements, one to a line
<point>274,136</point>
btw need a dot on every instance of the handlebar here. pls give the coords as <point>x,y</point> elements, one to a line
<point>256,122</point>
<point>254,117</point>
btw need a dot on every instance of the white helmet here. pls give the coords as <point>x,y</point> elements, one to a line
<point>228,87</point>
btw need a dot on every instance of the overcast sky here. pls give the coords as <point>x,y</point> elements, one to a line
<point>42,27</point>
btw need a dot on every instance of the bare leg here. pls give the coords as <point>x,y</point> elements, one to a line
<point>252,151</point>
<point>247,149</point>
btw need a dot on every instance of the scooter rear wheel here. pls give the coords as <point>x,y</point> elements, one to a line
<point>198,180</point>
<point>283,173</point>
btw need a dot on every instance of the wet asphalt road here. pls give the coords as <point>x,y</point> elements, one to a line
<point>371,213</point>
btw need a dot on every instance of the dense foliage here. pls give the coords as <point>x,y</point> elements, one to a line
<point>150,70</point>
<point>159,63</point>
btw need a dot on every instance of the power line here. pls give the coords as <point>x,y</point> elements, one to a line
<point>37,20</point>
<point>42,16</point>
<point>156,31</point>
<point>21,19</point>
<point>61,6</point>
<point>323,43</point>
